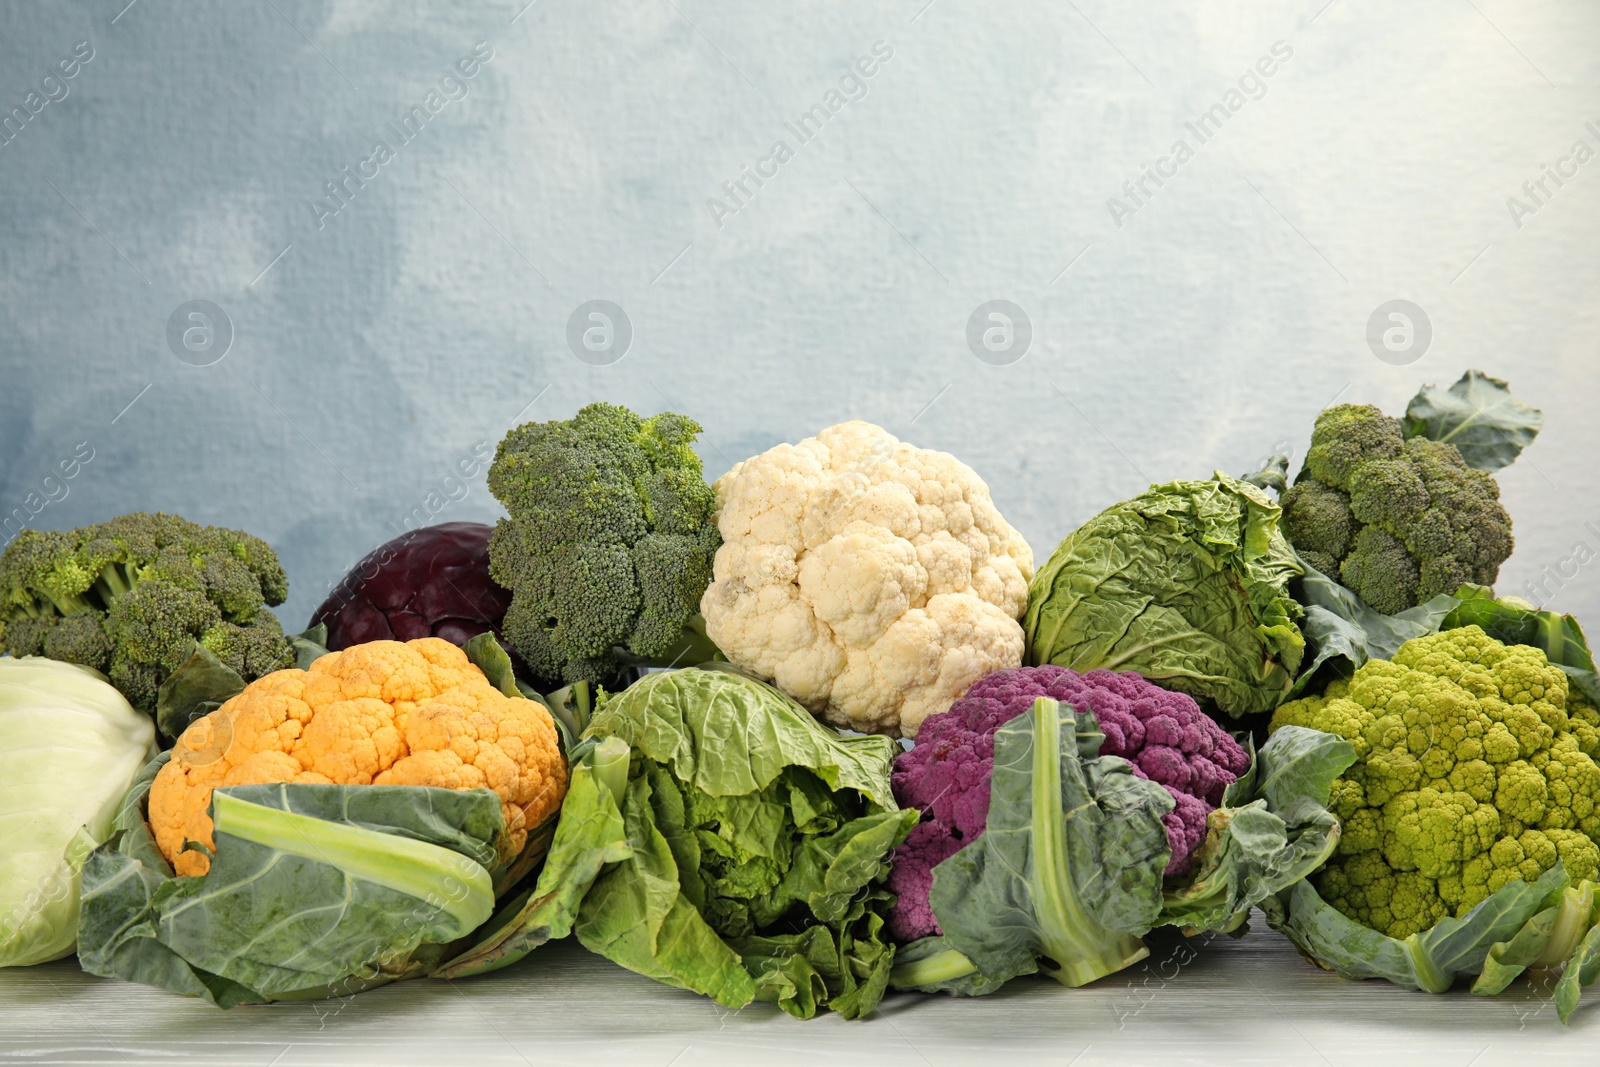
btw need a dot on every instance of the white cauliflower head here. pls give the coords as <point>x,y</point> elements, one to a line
<point>871,580</point>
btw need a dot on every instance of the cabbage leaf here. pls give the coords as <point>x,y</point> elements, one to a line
<point>69,746</point>
<point>1187,584</point>
<point>716,837</point>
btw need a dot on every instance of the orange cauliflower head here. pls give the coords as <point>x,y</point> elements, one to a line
<point>871,580</point>
<point>382,713</point>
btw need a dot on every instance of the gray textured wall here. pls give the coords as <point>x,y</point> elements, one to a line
<point>374,346</point>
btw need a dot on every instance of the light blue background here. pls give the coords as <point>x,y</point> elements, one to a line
<point>431,312</point>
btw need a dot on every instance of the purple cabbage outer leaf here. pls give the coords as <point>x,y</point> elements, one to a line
<point>429,582</point>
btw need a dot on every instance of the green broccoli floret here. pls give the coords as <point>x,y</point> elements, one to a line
<point>131,597</point>
<point>1380,571</point>
<point>1470,774</point>
<point>1396,520</point>
<point>254,649</point>
<point>79,639</point>
<point>1348,435</point>
<point>608,545</point>
<point>1318,522</point>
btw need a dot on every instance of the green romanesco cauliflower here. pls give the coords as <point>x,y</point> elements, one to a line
<point>131,597</point>
<point>1475,767</point>
<point>609,542</point>
<point>1396,520</point>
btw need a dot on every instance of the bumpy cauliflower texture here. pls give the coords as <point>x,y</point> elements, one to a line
<point>871,580</point>
<point>1475,768</point>
<point>382,713</point>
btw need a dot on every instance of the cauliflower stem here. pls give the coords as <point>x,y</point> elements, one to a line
<point>1078,948</point>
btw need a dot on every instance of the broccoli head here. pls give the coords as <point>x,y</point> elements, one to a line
<point>608,545</point>
<point>132,596</point>
<point>1474,769</point>
<point>1397,520</point>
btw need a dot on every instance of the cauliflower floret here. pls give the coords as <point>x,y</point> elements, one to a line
<point>381,713</point>
<point>871,580</point>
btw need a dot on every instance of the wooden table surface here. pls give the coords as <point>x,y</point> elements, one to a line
<point>1239,1002</point>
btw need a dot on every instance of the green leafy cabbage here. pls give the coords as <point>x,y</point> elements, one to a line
<point>716,837</point>
<point>1187,584</point>
<point>69,746</point>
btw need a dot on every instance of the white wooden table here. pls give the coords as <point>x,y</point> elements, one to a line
<point>1245,1002</point>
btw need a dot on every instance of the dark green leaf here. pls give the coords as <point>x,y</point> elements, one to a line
<point>932,966</point>
<point>1067,874</point>
<point>1273,829</point>
<point>309,645</point>
<point>1545,940</point>
<point>1580,972</point>
<point>377,878</point>
<point>201,684</point>
<point>1340,626</point>
<point>588,836</point>
<point>1274,475</point>
<point>1479,416</point>
<point>1430,961</point>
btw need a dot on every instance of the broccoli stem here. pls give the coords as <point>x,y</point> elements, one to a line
<point>937,969</point>
<point>1078,946</point>
<point>67,605</point>
<point>114,581</point>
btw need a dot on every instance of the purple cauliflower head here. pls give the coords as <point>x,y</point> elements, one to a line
<point>1163,734</point>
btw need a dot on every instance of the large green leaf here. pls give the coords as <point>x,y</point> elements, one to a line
<point>1582,968</point>
<point>588,836</point>
<point>1546,940</point>
<point>1273,829</point>
<point>1340,626</point>
<point>931,965</point>
<point>1186,584</point>
<point>1431,960</point>
<point>1478,414</point>
<point>201,684</point>
<point>314,890</point>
